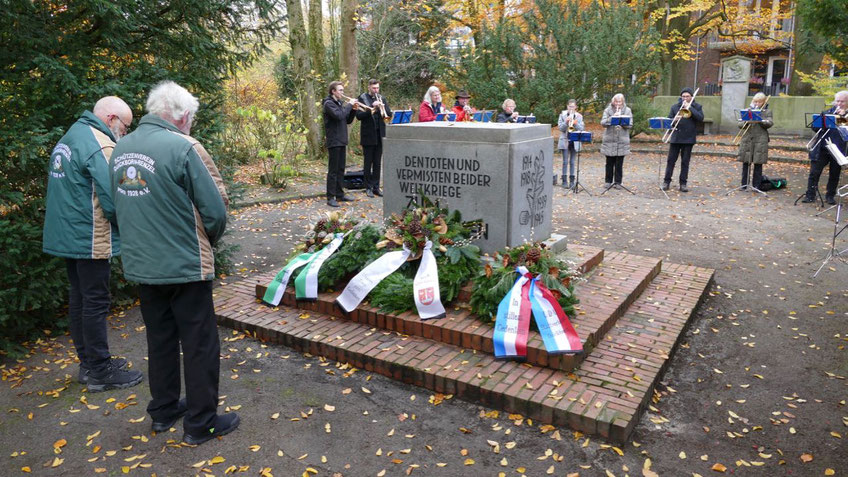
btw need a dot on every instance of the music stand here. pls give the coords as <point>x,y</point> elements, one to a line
<point>660,123</point>
<point>749,116</point>
<point>583,137</point>
<point>834,253</point>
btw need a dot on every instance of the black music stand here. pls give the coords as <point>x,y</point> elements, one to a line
<point>583,137</point>
<point>660,123</point>
<point>834,253</point>
<point>616,186</point>
<point>749,182</point>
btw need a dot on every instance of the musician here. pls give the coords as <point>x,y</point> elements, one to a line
<point>616,142</point>
<point>508,115</point>
<point>431,105</point>
<point>569,120</point>
<point>337,115</point>
<point>821,157</point>
<point>754,146</point>
<point>372,132</point>
<point>461,108</point>
<point>683,139</point>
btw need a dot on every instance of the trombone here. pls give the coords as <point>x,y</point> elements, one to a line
<point>361,105</point>
<point>742,132</point>
<point>841,120</point>
<point>683,112</point>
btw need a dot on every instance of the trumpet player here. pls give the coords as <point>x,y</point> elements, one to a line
<point>338,113</point>
<point>569,120</point>
<point>616,143</point>
<point>684,138</point>
<point>461,107</point>
<point>821,157</point>
<point>753,149</point>
<point>372,132</point>
<point>509,114</point>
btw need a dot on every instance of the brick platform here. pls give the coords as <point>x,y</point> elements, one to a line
<point>632,312</point>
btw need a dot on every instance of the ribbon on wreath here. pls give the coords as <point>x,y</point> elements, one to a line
<point>513,321</point>
<point>554,326</point>
<point>428,300</point>
<point>306,283</point>
<point>512,325</point>
<point>361,285</point>
<point>277,287</point>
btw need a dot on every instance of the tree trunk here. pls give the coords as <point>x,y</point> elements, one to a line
<point>805,58</point>
<point>349,59</point>
<point>316,38</point>
<point>303,79</point>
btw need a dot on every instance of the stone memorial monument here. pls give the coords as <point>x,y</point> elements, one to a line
<point>736,72</point>
<point>501,173</point>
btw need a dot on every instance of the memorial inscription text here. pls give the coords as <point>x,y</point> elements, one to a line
<point>439,177</point>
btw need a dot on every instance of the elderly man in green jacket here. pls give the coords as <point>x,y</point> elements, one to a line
<point>77,228</point>
<point>172,208</point>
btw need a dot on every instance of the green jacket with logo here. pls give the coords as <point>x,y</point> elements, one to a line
<point>79,200</point>
<point>170,202</point>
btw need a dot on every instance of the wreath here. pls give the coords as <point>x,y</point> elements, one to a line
<point>498,276</point>
<point>457,259</point>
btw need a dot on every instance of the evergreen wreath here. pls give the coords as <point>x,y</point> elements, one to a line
<point>457,259</point>
<point>356,252</point>
<point>495,280</point>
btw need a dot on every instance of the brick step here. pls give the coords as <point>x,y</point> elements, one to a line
<point>603,396</point>
<point>610,288</point>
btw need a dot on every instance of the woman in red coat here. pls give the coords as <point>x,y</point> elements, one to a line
<point>431,105</point>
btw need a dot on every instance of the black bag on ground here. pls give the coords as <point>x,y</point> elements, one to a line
<point>354,180</point>
<point>771,183</point>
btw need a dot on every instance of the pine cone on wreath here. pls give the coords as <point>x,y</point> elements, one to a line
<point>533,255</point>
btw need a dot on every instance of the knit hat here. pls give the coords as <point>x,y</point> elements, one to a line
<point>686,90</point>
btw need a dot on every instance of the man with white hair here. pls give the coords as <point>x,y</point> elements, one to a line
<point>172,208</point>
<point>821,157</point>
<point>77,228</point>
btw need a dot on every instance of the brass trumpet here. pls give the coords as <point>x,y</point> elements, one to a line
<point>383,113</point>
<point>571,121</point>
<point>361,105</point>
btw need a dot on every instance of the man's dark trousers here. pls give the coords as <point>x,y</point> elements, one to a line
<point>182,314</point>
<point>88,306</point>
<point>373,159</point>
<point>816,169</point>
<point>685,151</point>
<point>335,172</point>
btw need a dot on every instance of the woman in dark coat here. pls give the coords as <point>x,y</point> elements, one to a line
<point>616,143</point>
<point>754,146</point>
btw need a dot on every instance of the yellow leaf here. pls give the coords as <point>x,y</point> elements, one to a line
<point>806,458</point>
<point>618,451</point>
<point>275,415</point>
<point>366,390</point>
<point>216,460</point>
<point>26,469</point>
<point>329,408</point>
<point>550,470</point>
<point>254,448</point>
<point>125,469</point>
<point>311,470</point>
<point>718,467</point>
<point>829,471</point>
<point>469,461</point>
<point>57,462</point>
<point>836,434</point>
<point>682,455</point>
<point>381,473</point>
<point>60,443</point>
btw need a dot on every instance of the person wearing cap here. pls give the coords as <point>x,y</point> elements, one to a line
<point>461,108</point>
<point>683,138</point>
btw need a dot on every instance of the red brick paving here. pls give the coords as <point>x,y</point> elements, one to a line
<point>633,310</point>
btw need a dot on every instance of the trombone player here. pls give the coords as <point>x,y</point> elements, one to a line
<point>372,132</point>
<point>683,139</point>
<point>753,148</point>
<point>821,157</point>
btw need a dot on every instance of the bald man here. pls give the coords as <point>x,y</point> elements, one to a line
<point>80,227</point>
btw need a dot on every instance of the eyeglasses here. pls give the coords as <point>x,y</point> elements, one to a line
<point>126,126</point>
